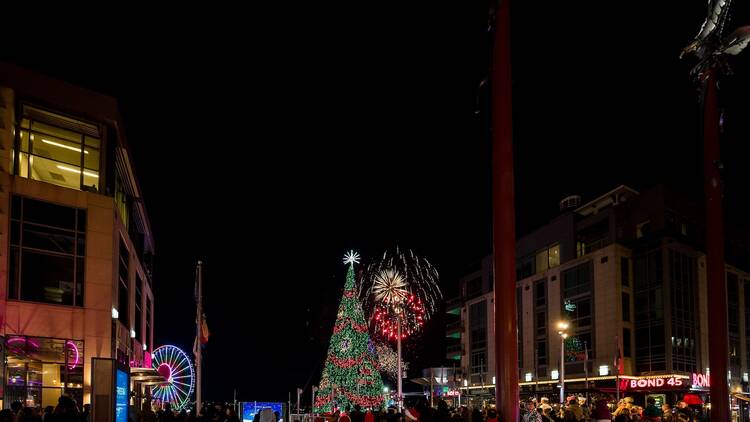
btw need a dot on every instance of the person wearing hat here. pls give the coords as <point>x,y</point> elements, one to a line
<point>531,414</point>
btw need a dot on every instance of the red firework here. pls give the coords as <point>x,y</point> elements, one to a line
<point>410,313</point>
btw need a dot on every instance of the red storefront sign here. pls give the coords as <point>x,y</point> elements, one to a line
<point>665,383</point>
<point>701,381</point>
<point>656,383</point>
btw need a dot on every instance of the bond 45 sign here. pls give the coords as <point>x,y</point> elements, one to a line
<point>701,381</point>
<point>655,383</point>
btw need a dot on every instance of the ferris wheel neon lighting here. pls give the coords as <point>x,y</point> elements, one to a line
<point>173,363</point>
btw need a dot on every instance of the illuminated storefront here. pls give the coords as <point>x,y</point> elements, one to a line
<point>39,370</point>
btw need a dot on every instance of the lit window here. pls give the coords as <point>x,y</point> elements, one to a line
<point>57,149</point>
<point>542,261</point>
<point>554,256</point>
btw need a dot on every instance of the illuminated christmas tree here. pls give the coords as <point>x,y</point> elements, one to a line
<point>350,375</point>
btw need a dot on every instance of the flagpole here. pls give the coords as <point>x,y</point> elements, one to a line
<point>617,367</point>
<point>586,369</point>
<point>199,321</point>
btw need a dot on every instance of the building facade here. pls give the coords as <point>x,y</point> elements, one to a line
<point>627,274</point>
<point>76,243</point>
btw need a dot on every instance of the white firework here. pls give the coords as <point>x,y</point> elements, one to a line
<point>351,257</point>
<point>389,287</point>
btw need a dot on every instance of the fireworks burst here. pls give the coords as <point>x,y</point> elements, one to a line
<point>389,287</point>
<point>400,288</point>
<point>388,361</point>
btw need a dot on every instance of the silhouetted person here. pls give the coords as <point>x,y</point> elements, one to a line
<point>168,415</point>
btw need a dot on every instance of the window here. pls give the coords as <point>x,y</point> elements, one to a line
<point>41,369</point>
<point>625,271</point>
<point>478,365</point>
<point>47,252</point>
<point>625,306</point>
<point>541,353</point>
<point>541,323</point>
<point>577,280</point>
<point>474,287</point>
<point>577,308</point>
<point>57,149</point>
<point>478,325</point>
<point>554,256</point>
<point>138,307</point>
<point>650,353</point>
<point>641,229</point>
<point>626,352</point>
<point>547,258</point>
<point>525,267</point>
<point>682,274</point>
<point>122,291</point>
<point>540,293</point>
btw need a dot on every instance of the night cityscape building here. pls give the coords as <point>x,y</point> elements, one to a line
<point>77,245</point>
<point>627,272</point>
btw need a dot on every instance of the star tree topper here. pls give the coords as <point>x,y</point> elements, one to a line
<point>351,257</point>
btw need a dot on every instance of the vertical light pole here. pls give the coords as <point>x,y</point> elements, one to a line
<point>562,326</point>
<point>198,356</point>
<point>400,374</point>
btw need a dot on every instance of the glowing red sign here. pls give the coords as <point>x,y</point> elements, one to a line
<point>453,393</point>
<point>657,383</point>
<point>701,381</point>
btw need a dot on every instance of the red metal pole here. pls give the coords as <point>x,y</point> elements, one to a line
<point>718,344</point>
<point>503,222</point>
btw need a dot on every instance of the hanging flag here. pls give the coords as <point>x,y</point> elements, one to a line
<point>618,364</point>
<point>586,355</point>
<point>204,330</point>
<point>195,347</point>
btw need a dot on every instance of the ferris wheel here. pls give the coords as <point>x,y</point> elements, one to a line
<point>174,365</point>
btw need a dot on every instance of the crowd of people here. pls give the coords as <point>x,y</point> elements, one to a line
<point>602,409</point>
<point>66,410</point>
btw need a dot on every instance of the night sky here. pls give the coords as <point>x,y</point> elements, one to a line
<point>270,140</point>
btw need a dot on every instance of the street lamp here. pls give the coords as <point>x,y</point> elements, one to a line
<point>561,327</point>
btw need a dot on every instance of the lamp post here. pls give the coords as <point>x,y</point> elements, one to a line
<point>561,327</point>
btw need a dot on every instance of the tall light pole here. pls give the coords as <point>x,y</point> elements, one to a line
<point>561,327</point>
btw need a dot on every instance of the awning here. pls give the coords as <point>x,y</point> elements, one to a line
<point>692,399</point>
<point>147,376</point>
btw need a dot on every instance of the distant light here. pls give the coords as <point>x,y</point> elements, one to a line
<point>63,146</point>
<point>555,374</point>
<point>72,170</point>
<point>528,376</point>
<point>603,370</point>
<point>115,314</point>
<point>466,383</point>
<point>493,380</point>
<point>744,377</point>
<point>145,346</point>
<point>385,389</point>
